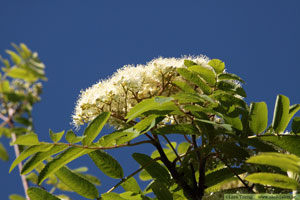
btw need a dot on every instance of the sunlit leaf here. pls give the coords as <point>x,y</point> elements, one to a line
<point>30,151</point>
<point>16,197</point>
<point>27,139</point>
<point>207,74</point>
<point>36,159</point>
<point>95,127</point>
<point>131,185</point>
<point>77,183</point>
<point>3,153</point>
<point>61,160</point>
<point>258,117</point>
<point>56,137</point>
<point>281,114</point>
<point>72,138</point>
<point>190,76</point>
<point>218,65</point>
<point>107,164</point>
<point>36,193</point>
<point>286,162</point>
<point>276,180</point>
<point>229,76</point>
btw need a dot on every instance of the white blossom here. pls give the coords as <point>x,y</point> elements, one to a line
<point>128,86</point>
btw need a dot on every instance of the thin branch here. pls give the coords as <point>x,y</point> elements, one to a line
<point>172,148</point>
<point>132,174</point>
<point>103,148</point>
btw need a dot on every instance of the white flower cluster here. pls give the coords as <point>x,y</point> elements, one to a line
<point>128,86</point>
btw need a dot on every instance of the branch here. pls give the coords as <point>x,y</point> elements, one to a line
<point>132,174</point>
<point>172,148</point>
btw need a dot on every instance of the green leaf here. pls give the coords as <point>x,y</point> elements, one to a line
<point>296,125</point>
<point>228,76</point>
<point>147,123</point>
<point>107,164</point>
<point>184,97</point>
<point>112,196</point>
<point>146,105</point>
<point>289,143</point>
<point>30,151</point>
<point>145,176</point>
<point>183,147</point>
<point>56,137</point>
<point>78,184</point>
<point>286,162</point>
<point>258,117</point>
<point>224,126</point>
<point>14,57</point>
<point>184,86</point>
<point>189,63</point>
<point>234,122</point>
<point>27,139</point>
<point>3,153</point>
<point>16,197</point>
<point>95,127</point>
<point>221,175</point>
<point>190,76</point>
<point>185,129</point>
<point>231,87</point>
<point>156,171</point>
<point>21,73</point>
<point>233,150</point>
<point>161,192</point>
<point>131,185</point>
<point>36,159</point>
<point>72,138</point>
<point>90,178</point>
<point>36,193</point>
<point>61,160</point>
<point>293,109</point>
<point>218,65</point>
<point>276,180</point>
<point>281,114</point>
<point>204,72</point>
<point>119,137</point>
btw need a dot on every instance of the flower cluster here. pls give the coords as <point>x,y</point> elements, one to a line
<point>128,86</point>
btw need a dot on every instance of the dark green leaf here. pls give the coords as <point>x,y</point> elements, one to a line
<point>218,65</point>
<point>293,109</point>
<point>207,74</point>
<point>190,76</point>
<point>30,151</point>
<point>61,160</point>
<point>131,185</point>
<point>78,184</point>
<point>161,192</point>
<point>286,162</point>
<point>276,180</point>
<point>56,137</point>
<point>296,125</point>
<point>281,114</point>
<point>35,160</point>
<point>27,139</point>
<point>3,153</point>
<point>224,126</point>
<point>107,164</point>
<point>36,193</point>
<point>156,171</point>
<point>258,117</point>
<point>185,129</point>
<point>95,127</point>
<point>220,175</point>
<point>228,76</point>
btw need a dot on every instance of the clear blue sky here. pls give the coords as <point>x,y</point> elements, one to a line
<point>83,41</point>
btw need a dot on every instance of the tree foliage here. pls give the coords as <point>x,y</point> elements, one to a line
<point>227,145</point>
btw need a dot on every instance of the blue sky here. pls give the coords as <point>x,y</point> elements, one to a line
<point>84,41</point>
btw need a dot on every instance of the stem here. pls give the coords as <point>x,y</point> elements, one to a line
<point>132,174</point>
<point>172,148</point>
<point>17,151</point>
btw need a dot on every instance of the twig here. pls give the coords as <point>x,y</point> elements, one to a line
<point>172,148</point>
<point>132,174</point>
